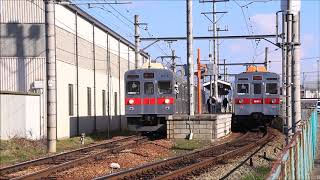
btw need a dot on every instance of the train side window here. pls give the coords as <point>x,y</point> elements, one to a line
<point>271,88</point>
<point>242,89</point>
<point>133,87</point>
<point>148,88</point>
<point>164,87</point>
<point>257,88</point>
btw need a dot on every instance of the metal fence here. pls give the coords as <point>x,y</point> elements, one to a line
<point>298,156</point>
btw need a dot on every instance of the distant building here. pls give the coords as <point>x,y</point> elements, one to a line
<point>86,52</point>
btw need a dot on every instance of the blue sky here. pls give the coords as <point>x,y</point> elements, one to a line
<point>168,18</point>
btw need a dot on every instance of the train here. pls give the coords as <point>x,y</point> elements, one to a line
<point>153,93</point>
<point>256,97</point>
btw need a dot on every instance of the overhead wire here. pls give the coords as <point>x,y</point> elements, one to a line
<point>254,46</point>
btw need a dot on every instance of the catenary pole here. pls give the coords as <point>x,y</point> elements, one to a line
<point>215,66</point>
<point>137,41</point>
<point>190,57</point>
<point>266,58</point>
<point>199,82</point>
<point>286,7</point>
<point>174,63</point>
<point>284,73</point>
<point>296,88</point>
<point>51,77</point>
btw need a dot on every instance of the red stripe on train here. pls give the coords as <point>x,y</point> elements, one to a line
<point>148,101</point>
<point>272,100</point>
<point>242,101</point>
<point>257,101</point>
<point>133,101</point>
<point>163,100</point>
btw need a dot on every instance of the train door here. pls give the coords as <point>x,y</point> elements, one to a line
<point>149,98</point>
<point>257,97</point>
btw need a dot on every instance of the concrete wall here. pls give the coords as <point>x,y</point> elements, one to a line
<point>204,127</point>
<point>20,116</point>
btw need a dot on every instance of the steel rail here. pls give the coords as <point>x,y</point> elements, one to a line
<point>163,163</point>
<point>46,172</point>
<point>66,155</point>
<point>213,160</point>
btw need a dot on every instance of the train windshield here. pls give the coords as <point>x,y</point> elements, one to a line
<point>133,87</point>
<point>164,87</point>
<point>148,88</point>
<point>242,89</point>
<point>271,88</point>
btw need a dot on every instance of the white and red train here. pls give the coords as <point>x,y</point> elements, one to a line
<point>256,97</point>
<point>153,94</point>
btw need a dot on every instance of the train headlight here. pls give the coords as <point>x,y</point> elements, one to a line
<point>240,101</point>
<point>167,101</point>
<point>131,101</point>
<point>273,101</point>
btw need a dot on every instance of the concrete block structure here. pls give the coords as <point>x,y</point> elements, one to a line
<point>203,127</point>
<point>91,60</point>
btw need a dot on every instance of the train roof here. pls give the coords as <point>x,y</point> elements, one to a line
<point>147,70</point>
<point>256,73</point>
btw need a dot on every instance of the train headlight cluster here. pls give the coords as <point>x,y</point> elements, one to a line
<point>273,101</point>
<point>167,101</point>
<point>240,101</point>
<point>131,101</point>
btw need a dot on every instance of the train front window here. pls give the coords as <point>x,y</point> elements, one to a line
<point>271,88</point>
<point>257,88</point>
<point>148,88</point>
<point>242,89</point>
<point>165,87</point>
<point>133,87</point>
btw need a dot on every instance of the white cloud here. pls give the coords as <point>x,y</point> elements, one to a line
<point>264,23</point>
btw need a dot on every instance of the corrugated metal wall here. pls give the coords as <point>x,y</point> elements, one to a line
<point>18,74</point>
<point>22,11</point>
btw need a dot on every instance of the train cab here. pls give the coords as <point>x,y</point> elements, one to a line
<point>149,99</point>
<point>257,95</point>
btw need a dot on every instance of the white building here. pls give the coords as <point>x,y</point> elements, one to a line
<point>86,52</point>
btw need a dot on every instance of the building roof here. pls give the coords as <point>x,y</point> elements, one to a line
<point>102,26</point>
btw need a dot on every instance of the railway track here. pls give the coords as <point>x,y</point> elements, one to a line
<point>194,163</point>
<point>45,167</point>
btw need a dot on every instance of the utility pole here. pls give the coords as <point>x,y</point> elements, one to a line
<point>190,57</point>
<point>215,52</point>
<point>137,41</point>
<point>51,77</point>
<point>266,58</point>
